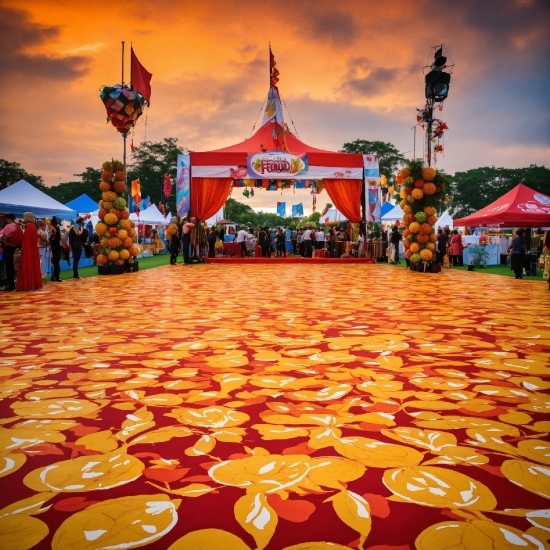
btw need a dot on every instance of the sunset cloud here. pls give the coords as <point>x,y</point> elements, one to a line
<point>349,70</point>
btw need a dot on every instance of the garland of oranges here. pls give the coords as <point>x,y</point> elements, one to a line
<point>420,190</point>
<point>116,230</point>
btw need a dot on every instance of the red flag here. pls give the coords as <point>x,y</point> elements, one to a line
<point>140,78</point>
<point>167,185</point>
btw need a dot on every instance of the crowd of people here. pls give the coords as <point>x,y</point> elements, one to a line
<point>31,248</point>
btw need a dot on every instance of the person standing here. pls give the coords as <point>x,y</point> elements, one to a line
<point>395,239</point>
<point>212,237</point>
<point>320,239</point>
<point>43,245</point>
<point>186,239</point>
<point>441,245</point>
<point>29,276</point>
<point>12,237</point>
<point>241,241</point>
<point>263,241</point>
<point>518,250</point>
<point>55,244</point>
<point>456,248</point>
<point>307,239</point>
<point>75,242</point>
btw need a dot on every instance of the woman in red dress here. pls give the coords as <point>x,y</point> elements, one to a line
<point>29,276</point>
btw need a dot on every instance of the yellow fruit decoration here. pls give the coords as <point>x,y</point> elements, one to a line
<point>429,210</point>
<point>417,194</point>
<point>122,233</point>
<point>429,188</point>
<point>124,254</point>
<point>125,224</point>
<point>426,255</point>
<point>125,522</point>
<point>415,247</point>
<point>405,172</point>
<point>109,196</point>
<point>101,228</point>
<point>113,255</point>
<point>407,209</point>
<point>431,246</point>
<point>107,205</point>
<point>101,259</point>
<point>403,194</point>
<point>134,250</point>
<point>414,227</point>
<point>428,173</point>
<point>131,232</point>
<point>403,203</point>
<point>104,186</point>
<point>110,219</point>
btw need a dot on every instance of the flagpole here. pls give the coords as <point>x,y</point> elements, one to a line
<point>125,133</point>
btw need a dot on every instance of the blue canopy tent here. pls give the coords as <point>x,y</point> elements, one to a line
<point>22,197</point>
<point>386,207</point>
<point>83,204</point>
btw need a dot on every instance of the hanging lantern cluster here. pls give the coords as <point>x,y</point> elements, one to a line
<point>116,230</point>
<point>420,190</point>
<point>124,106</point>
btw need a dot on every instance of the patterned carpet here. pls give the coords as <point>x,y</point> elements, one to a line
<point>296,407</point>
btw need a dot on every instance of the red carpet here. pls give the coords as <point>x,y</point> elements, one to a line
<point>223,407</point>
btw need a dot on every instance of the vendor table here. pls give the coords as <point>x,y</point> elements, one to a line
<point>493,251</point>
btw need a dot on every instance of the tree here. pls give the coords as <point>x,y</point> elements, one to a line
<point>12,172</point>
<point>477,188</point>
<point>150,161</point>
<point>389,157</point>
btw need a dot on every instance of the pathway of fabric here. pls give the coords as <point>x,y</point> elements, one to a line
<point>277,407</point>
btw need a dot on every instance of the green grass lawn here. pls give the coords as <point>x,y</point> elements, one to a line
<point>502,270</point>
<point>144,263</point>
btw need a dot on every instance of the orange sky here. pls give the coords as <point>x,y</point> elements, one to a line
<point>349,70</point>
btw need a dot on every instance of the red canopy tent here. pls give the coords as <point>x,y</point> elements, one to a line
<point>213,172</point>
<point>520,207</point>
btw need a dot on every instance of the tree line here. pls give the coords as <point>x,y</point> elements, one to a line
<point>469,191</point>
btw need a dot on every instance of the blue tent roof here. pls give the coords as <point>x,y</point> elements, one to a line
<point>83,204</point>
<point>386,207</point>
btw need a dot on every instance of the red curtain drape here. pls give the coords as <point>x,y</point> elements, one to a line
<point>208,195</point>
<point>346,196</point>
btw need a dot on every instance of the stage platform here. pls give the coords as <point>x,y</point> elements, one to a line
<point>289,260</point>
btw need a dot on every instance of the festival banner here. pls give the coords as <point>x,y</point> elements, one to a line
<point>297,210</point>
<point>372,187</point>
<point>281,209</point>
<point>182,185</point>
<point>277,165</point>
<point>313,173</point>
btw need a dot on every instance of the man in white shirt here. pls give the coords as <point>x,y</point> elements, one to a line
<point>308,250</point>
<point>320,240</point>
<point>242,236</point>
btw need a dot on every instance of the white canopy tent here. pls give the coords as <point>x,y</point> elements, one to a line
<point>218,216</point>
<point>22,197</point>
<point>393,215</point>
<point>150,216</point>
<point>332,216</point>
<point>444,219</point>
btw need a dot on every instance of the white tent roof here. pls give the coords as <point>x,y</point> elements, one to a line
<point>150,216</point>
<point>215,218</point>
<point>331,216</point>
<point>394,214</point>
<point>444,220</point>
<point>22,197</point>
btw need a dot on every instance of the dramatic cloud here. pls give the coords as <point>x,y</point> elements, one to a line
<point>349,70</point>
<point>19,37</point>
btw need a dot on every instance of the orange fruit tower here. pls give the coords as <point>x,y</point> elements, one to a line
<point>116,230</point>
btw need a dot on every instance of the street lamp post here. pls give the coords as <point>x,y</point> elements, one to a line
<point>437,83</point>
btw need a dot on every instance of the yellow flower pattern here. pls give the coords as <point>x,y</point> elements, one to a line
<point>276,414</point>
